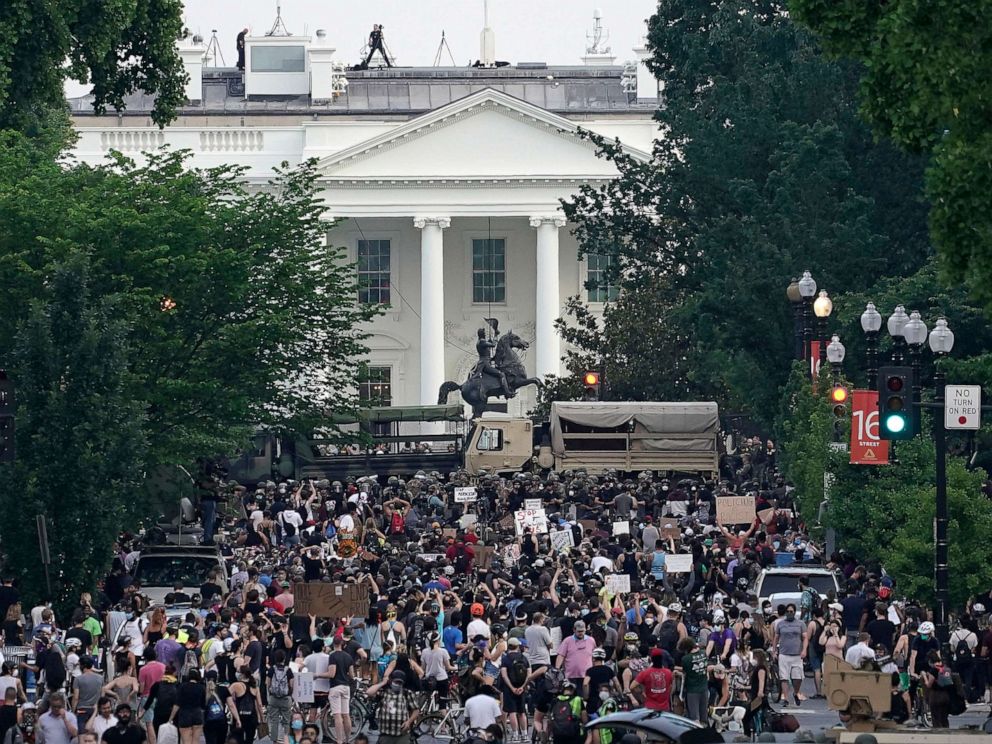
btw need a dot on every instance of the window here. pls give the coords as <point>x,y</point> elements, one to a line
<point>278,58</point>
<point>489,270</point>
<point>375,385</point>
<point>373,272</point>
<point>598,288</point>
<point>490,440</point>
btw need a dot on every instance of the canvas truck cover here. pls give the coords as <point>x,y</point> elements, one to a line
<point>680,420</point>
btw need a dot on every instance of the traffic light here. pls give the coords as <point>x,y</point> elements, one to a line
<point>838,396</point>
<point>7,410</point>
<point>590,381</point>
<point>898,418</point>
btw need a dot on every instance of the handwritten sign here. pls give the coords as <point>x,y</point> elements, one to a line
<point>533,504</point>
<point>735,509</point>
<point>465,495</point>
<point>618,583</point>
<point>303,687</point>
<point>621,528</point>
<point>555,639</point>
<point>325,599</point>
<point>668,531</point>
<point>587,524</point>
<point>562,540</point>
<point>678,563</point>
<point>532,518</point>
<point>431,557</point>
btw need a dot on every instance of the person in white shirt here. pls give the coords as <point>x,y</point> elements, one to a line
<point>860,652</point>
<point>478,626</point>
<point>482,710</point>
<point>103,720</point>
<point>317,664</point>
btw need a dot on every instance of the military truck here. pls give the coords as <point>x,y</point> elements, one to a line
<point>594,436</point>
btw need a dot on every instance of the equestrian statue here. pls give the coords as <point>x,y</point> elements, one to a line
<point>498,373</point>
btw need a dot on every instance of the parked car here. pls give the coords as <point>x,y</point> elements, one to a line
<point>161,567</point>
<point>781,585</point>
<point>656,726</point>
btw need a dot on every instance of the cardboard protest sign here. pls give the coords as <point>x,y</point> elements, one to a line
<point>670,532</point>
<point>449,532</point>
<point>618,583</point>
<point>533,518</point>
<point>678,563</point>
<point>562,540</point>
<point>506,522</point>
<point>735,509</point>
<point>587,524</point>
<point>303,687</point>
<point>325,599</point>
<point>621,528</point>
<point>465,495</point>
<point>484,556</point>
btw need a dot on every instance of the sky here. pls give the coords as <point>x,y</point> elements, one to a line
<point>552,31</point>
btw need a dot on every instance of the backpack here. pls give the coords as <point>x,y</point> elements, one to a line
<point>668,636</point>
<point>945,678</point>
<point>191,660</point>
<point>417,633</point>
<point>519,670</point>
<point>784,723</point>
<point>564,723</point>
<point>279,683</point>
<point>396,525</point>
<point>215,709</point>
<point>962,652</point>
<point>468,684</point>
<point>553,678</point>
<point>288,528</point>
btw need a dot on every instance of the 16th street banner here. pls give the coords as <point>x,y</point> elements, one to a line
<point>866,447</point>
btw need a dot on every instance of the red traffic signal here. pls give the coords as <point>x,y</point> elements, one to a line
<point>590,378</point>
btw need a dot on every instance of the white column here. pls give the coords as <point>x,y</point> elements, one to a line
<point>431,306</point>
<point>548,304</point>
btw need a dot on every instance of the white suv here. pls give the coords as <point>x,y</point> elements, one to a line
<point>781,585</point>
<point>161,566</point>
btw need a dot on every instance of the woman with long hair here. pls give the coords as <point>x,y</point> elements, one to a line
<point>124,686</point>
<point>245,704</point>
<point>215,713</point>
<point>494,654</point>
<point>295,733</point>
<point>155,631</point>
<point>13,626</point>
<point>760,686</point>
<point>404,663</point>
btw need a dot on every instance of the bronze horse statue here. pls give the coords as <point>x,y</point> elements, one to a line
<point>477,390</point>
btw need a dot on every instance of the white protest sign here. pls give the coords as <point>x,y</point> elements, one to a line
<point>533,504</point>
<point>303,687</point>
<point>963,407</point>
<point>621,528</point>
<point>431,557</point>
<point>562,540</point>
<point>533,518</point>
<point>555,639</point>
<point>618,583</point>
<point>465,494</point>
<point>678,563</point>
<point>467,520</point>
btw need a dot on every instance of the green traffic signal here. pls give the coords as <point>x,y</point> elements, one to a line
<point>898,417</point>
<point>894,423</point>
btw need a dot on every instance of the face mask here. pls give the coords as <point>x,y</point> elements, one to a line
<point>297,725</point>
<point>604,695</point>
<point>649,620</point>
<point>585,611</point>
<point>924,637</point>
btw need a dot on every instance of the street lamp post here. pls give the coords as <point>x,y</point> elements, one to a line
<point>895,324</point>
<point>822,308</point>
<point>871,323</point>
<point>807,289</point>
<point>941,342</point>
<point>796,299</point>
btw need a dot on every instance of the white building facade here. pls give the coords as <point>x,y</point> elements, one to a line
<point>447,182</point>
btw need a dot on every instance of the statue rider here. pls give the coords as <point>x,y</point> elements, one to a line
<point>485,364</point>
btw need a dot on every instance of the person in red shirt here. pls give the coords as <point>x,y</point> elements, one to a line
<point>656,681</point>
<point>470,536</point>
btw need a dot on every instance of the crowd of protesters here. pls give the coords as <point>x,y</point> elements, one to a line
<point>525,638</point>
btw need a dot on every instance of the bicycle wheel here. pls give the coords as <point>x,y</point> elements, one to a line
<point>437,727</point>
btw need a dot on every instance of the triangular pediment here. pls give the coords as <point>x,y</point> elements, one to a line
<point>486,135</point>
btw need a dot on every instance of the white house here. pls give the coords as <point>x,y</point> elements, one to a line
<point>450,180</point>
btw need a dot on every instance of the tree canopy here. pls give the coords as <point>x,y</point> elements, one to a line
<point>762,170</point>
<point>118,46</point>
<point>925,85</point>
<point>238,313</point>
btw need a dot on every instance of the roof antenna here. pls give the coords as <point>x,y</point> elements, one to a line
<point>487,40</point>
<point>279,27</point>
<point>442,47</point>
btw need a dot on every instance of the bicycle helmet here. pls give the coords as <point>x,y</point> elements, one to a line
<point>499,629</point>
<point>926,628</point>
<point>598,653</point>
<point>631,637</point>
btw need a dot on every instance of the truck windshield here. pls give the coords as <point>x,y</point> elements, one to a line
<point>166,570</point>
<point>786,584</point>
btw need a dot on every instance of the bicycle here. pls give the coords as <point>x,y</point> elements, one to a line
<point>362,709</point>
<point>438,722</point>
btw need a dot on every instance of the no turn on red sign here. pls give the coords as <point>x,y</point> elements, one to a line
<point>962,406</point>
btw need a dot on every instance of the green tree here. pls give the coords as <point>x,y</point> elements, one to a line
<point>80,443</point>
<point>119,46</point>
<point>762,170</point>
<point>924,84</point>
<point>238,312</point>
